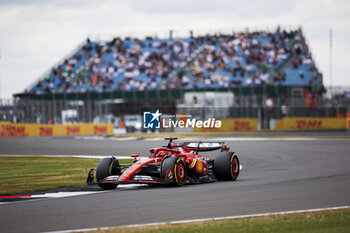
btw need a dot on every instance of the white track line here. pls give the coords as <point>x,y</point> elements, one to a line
<point>37,197</point>
<point>63,194</point>
<point>206,219</point>
<point>254,139</point>
<point>46,196</point>
<point>281,139</point>
<point>123,139</point>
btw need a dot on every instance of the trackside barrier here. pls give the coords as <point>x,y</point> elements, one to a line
<point>286,123</point>
<point>311,123</point>
<point>8,129</point>
<point>232,124</point>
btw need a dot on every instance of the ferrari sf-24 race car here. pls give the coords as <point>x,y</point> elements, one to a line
<point>173,165</point>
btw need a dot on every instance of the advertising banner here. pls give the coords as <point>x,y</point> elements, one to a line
<point>8,129</point>
<point>311,123</point>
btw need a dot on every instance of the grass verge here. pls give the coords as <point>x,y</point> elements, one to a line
<point>35,173</point>
<point>311,222</point>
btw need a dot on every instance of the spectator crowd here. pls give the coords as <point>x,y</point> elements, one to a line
<point>212,61</point>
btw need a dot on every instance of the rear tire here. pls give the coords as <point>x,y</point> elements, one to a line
<point>226,166</point>
<point>106,168</point>
<point>174,171</point>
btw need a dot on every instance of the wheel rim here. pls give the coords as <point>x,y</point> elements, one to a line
<point>180,172</point>
<point>235,166</point>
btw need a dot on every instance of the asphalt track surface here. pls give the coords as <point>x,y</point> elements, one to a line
<point>277,176</point>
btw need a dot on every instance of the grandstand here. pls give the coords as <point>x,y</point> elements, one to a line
<point>211,61</point>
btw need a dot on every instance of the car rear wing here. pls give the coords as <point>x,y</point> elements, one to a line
<point>205,146</point>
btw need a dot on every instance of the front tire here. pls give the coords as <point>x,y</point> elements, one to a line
<point>174,171</point>
<point>106,167</point>
<point>226,166</point>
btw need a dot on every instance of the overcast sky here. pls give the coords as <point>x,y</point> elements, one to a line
<point>35,35</point>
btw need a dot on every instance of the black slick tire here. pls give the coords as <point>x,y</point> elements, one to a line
<point>104,169</point>
<point>226,166</point>
<point>173,171</point>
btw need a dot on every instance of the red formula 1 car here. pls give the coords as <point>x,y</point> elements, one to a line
<point>173,164</point>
